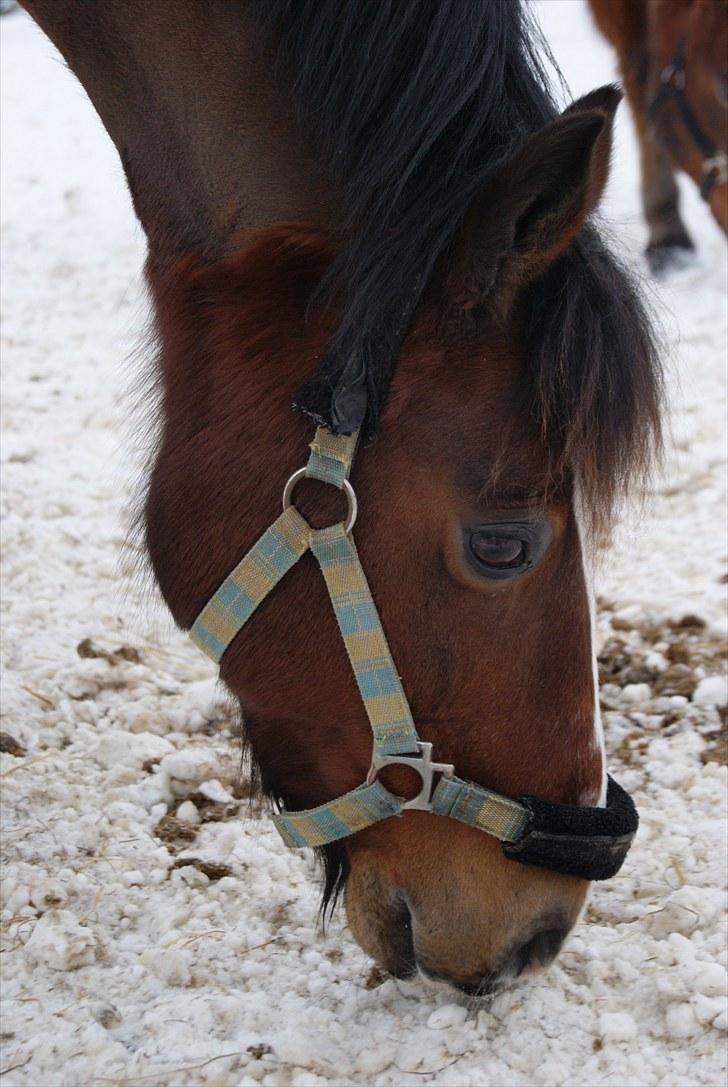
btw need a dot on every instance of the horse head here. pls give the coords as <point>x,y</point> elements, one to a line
<point>524,399</point>
<point>471,530</point>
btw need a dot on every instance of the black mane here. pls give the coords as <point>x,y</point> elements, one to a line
<point>414,102</point>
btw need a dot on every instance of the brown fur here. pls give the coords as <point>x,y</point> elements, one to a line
<point>205,132</point>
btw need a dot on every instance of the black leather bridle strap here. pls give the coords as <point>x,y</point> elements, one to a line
<point>672,88</point>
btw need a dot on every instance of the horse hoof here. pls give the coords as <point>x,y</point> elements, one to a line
<point>670,256</point>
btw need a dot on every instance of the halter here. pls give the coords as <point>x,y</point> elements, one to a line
<point>672,86</point>
<point>587,842</point>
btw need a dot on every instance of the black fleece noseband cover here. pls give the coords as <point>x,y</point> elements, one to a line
<point>587,842</point>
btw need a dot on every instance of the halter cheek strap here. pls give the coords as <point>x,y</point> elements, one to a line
<point>586,842</point>
<point>672,88</point>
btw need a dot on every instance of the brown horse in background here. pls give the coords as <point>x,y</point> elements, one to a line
<point>673,58</point>
<point>326,189</point>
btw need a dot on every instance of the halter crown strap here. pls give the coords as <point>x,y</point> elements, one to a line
<point>525,827</point>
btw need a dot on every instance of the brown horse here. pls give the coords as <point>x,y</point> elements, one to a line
<point>327,188</point>
<point>673,58</point>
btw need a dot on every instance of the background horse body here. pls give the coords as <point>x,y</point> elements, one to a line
<point>408,157</point>
<point>672,59</point>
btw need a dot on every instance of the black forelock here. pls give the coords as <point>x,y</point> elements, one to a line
<point>594,382</point>
<point>413,102</point>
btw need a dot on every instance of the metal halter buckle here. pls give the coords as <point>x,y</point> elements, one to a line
<point>673,75</point>
<point>717,167</point>
<point>353,506</point>
<point>424,766</point>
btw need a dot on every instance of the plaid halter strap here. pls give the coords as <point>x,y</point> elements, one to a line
<point>520,825</point>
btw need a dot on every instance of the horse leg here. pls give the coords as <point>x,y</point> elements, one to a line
<point>668,237</point>
<point>625,24</point>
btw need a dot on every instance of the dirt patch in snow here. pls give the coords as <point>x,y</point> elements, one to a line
<point>664,674</point>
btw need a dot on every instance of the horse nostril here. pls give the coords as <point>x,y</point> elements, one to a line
<point>540,950</point>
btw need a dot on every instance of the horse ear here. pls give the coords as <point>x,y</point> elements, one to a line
<point>531,208</point>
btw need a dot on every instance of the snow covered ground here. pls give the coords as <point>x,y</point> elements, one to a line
<point>139,948</point>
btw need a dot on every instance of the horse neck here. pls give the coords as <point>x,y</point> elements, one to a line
<point>219,149</point>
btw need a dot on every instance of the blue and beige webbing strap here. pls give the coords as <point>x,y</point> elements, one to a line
<point>371,660</point>
<point>338,818</point>
<point>277,550</point>
<point>500,816</point>
<point>331,456</point>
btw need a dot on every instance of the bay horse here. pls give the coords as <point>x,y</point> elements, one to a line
<point>326,189</point>
<point>673,59</point>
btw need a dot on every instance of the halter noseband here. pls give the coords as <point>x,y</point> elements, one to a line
<point>587,842</point>
<point>672,86</point>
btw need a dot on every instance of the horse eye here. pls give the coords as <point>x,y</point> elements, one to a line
<point>498,551</point>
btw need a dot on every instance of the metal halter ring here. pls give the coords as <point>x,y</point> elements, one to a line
<point>422,764</point>
<point>353,506</point>
<point>717,167</point>
<point>673,75</point>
